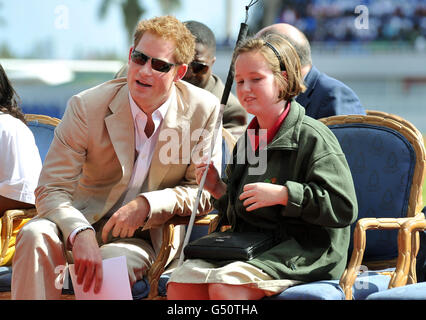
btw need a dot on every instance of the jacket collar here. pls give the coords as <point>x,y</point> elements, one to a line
<point>312,78</point>
<point>310,82</point>
<point>176,121</point>
<point>121,130</point>
<point>288,135</point>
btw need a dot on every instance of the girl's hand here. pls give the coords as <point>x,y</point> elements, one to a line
<point>261,194</point>
<point>213,184</point>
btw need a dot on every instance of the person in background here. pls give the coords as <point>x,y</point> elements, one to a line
<point>20,162</point>
<point>121,163</point>
<point>200,74</point>
<point>305,197</point>
<point>324,95</point>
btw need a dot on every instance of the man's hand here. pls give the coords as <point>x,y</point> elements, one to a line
<point>126,220</point>
<point>87,260</point>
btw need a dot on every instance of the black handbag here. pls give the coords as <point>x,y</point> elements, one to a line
<point>241,246</point>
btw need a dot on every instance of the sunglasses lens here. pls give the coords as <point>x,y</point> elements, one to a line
<point>199,67</point>
<point>160,65</point>
<point>156,64</point>
<point>139,58</point>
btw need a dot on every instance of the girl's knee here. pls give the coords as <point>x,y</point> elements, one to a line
<point>187,291</point>
<point>219,291</point>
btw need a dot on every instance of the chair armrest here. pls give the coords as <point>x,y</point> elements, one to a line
<point>359,240</point>
<point>20,213</point>
<point>210,220</point>
<point>159,265</point>
<point>408,244</point>
<point>7,226</point>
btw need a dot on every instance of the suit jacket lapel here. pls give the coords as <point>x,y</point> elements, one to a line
<point>310,80</point>
<point>120,128</point>
<point>173,126</point>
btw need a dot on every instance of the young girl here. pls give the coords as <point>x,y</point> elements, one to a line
<point>304,196</point>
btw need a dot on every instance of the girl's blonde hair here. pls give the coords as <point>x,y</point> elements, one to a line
<point>292,84</point>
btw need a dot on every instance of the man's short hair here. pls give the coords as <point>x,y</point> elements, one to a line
<point>170,28</point>
<point>202,34</point>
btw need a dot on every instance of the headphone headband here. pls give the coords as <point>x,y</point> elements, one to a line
<point>282,66</point>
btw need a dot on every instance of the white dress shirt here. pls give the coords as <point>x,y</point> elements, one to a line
<point>144,145</point>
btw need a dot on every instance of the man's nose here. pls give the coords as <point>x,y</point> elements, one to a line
<point>146,68</point>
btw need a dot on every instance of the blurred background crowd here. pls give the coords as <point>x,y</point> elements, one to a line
<point>333,21</point>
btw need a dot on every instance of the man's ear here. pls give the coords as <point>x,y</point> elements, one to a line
<point>181,71</point>
<point>130,53</point>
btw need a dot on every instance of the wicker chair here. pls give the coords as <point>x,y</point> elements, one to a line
<point>42,127</point>
<point>411,291</point>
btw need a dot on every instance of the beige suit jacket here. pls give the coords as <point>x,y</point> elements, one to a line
<point>90,161</point>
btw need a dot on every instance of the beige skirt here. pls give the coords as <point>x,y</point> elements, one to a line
<point>236,273</point>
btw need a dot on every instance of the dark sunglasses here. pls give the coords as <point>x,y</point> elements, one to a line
<point>156,64</point>
<point>198,67</point>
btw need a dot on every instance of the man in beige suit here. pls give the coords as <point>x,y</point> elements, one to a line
<point>121,163</point>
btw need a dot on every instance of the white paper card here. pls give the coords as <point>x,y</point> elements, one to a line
<point>115,283</point>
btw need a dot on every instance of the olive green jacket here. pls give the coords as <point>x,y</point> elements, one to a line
<point>314,227</point>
